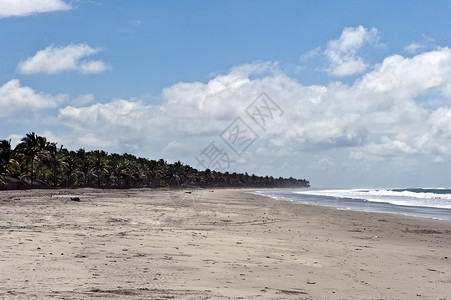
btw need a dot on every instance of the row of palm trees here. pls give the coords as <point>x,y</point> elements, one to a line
<point>37,162</point>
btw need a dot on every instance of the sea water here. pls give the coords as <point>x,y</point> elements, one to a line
<point>420,202</point>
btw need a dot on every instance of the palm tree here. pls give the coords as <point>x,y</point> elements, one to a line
<point>55,160</point>
<point>5,156</point>
<point>70,160</point>
<point>30,148</point>
<point>83,166</point>
<point>100,165</point>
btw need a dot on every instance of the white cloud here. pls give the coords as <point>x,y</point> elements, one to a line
<point>18,8</point>
<point>440,122</point>
<point>14,97</point>
<point>427,43</point>
<point>310,54</point>
<point>413,48</point>
<point>15,139</point>
<point>93,66</point>
<point>94,141</point>
<point>53,60</point>
<point>120,124</point>
<point>342,53</point>
<point>119,113</point>
<point>387,146</point>
<point>402,77</point>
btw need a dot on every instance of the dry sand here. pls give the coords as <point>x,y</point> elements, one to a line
<point>221,244</point>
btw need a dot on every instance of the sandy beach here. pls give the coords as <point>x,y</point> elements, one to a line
<point>212,244</point>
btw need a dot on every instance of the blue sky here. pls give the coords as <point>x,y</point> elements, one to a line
<point>364,87</point>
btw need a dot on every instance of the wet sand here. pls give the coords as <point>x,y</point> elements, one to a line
<point>212,244</point>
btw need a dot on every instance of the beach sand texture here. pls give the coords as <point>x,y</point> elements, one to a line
<point>212,244</point>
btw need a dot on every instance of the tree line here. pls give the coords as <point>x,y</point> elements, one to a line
<point>38,163</point>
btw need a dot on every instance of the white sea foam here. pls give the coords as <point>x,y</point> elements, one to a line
<point>404,197</point>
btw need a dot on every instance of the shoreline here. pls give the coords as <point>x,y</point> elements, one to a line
<point>360,204</point>
<point>218,243</point>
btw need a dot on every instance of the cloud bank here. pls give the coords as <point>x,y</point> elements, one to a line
<point>383,114</point>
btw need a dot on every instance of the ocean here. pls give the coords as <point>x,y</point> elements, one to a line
<point>419,202</point>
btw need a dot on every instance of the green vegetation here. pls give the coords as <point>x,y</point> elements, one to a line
<point>38,163</point>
